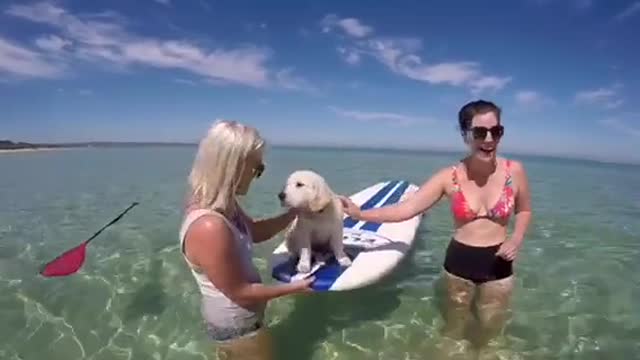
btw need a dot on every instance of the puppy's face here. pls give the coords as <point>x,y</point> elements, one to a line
<point>305,190</point>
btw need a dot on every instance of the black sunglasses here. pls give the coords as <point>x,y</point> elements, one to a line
<point>480,132</point>
<point>258,170</point>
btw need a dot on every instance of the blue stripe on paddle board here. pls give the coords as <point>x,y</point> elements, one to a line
<point>327,275</point>
<point>394,198</point>
<point>324,277</point>
<point>350,222</point>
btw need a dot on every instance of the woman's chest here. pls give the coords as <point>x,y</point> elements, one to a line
<point>480,197</point>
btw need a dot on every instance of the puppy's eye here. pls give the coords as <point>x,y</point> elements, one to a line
<point>299,184</point>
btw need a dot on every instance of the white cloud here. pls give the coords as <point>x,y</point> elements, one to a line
<point>52,43</point>
<point>185,81</point>
<point>531,99</point>
<point>527,97</point>
<point>386,117</point>
<point>488,83</point>
<point>237,65</point>
<point>23,62</point>
<point>351,26</point>
<point>629,11</point>
<point>604,96</point>
<point>349,56</point>
<point>400,55</point>
<point>104,39</point>
<point>619,125</point>
<point>164,2</point>
<point>288,80</point>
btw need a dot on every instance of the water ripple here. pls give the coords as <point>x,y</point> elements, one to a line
<point>576,295</point>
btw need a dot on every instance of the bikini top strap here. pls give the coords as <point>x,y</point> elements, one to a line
<point>454,177</point>
<point>508,172</point>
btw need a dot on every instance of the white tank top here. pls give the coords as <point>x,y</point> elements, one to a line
<point>244,244</point>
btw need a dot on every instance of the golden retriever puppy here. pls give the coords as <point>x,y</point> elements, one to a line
<point>319,220</point>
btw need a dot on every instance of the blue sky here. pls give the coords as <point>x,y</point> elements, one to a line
<point>382,74</point>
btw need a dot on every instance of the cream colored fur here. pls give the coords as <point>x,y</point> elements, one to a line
<point>319,221</point>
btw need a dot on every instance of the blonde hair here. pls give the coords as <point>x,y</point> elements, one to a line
<point>219,163</point>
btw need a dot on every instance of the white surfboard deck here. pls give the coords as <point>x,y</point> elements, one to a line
<point>375,249</point>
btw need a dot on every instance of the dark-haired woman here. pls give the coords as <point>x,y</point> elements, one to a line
<point>485,191</point>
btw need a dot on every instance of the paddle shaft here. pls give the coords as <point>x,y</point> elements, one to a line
<point>112,222</point>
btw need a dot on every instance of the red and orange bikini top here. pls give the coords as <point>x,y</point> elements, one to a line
<point>501,210</point>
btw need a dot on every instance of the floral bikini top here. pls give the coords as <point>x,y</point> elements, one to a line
<point>501,210</point>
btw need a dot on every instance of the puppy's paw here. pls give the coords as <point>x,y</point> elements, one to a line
<point>303,266</point>
<point>344,261</point>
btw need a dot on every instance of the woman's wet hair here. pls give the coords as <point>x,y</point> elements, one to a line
<point>473,108</point>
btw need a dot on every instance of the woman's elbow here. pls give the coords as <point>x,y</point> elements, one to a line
<point>243,300</point>
<point>240,294</point>
<point>405,213</point>
<point>236,290</point>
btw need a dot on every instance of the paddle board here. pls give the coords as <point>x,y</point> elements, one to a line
<point>375,249</point>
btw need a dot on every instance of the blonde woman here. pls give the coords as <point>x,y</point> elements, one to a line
<point>217,236</point>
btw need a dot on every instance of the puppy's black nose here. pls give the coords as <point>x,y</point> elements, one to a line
<point>281,195</point>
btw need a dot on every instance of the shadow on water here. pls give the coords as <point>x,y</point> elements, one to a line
<point>150,298</point>
<point>317,315</point>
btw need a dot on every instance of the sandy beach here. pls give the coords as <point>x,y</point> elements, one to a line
<point>11,151</point>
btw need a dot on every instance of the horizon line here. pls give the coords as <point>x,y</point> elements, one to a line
<point>107,143</point>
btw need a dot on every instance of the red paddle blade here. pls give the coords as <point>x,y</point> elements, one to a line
<point>67,263</point>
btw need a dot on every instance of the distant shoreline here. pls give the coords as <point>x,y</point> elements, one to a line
<point>11,147</point>
<point>34,149</point>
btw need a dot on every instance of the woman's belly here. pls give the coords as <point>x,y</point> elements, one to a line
<point>481,232</point>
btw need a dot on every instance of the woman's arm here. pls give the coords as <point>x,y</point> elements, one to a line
<point>522,205</point>
<point>265,229</point>
<point>510,248</point>
<point>427,195</point>
<point>211,245</point>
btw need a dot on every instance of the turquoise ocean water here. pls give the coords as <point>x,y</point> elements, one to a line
<point>577,295</point>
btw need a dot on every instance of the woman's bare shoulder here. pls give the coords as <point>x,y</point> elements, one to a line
<point>516,166</point>
<point>441,176</point>
<point>206,234</point>
<point>208,224</point>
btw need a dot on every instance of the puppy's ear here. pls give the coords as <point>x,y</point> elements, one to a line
<point>323,196</point>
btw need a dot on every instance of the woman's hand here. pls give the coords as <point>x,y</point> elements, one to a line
<point>302,286</point>
<point>266,229</point>
<point>350,208</point>
<point>509,250</point>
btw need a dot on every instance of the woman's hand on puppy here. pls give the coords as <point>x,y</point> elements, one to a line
<point>293,212</point>
<point>349,207</point>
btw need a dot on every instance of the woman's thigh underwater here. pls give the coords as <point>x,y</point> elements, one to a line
<point>256,346</point>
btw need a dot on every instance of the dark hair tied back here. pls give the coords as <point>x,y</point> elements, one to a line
<point>473,108</point>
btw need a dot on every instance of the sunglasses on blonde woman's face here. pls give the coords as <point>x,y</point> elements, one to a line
<point>258,170</point>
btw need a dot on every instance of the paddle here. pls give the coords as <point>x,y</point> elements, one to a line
<point>71,260</point>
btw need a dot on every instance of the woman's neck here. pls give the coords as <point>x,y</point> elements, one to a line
<point>481,169</point>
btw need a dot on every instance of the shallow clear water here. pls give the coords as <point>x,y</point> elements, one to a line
<point>577,293</point>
